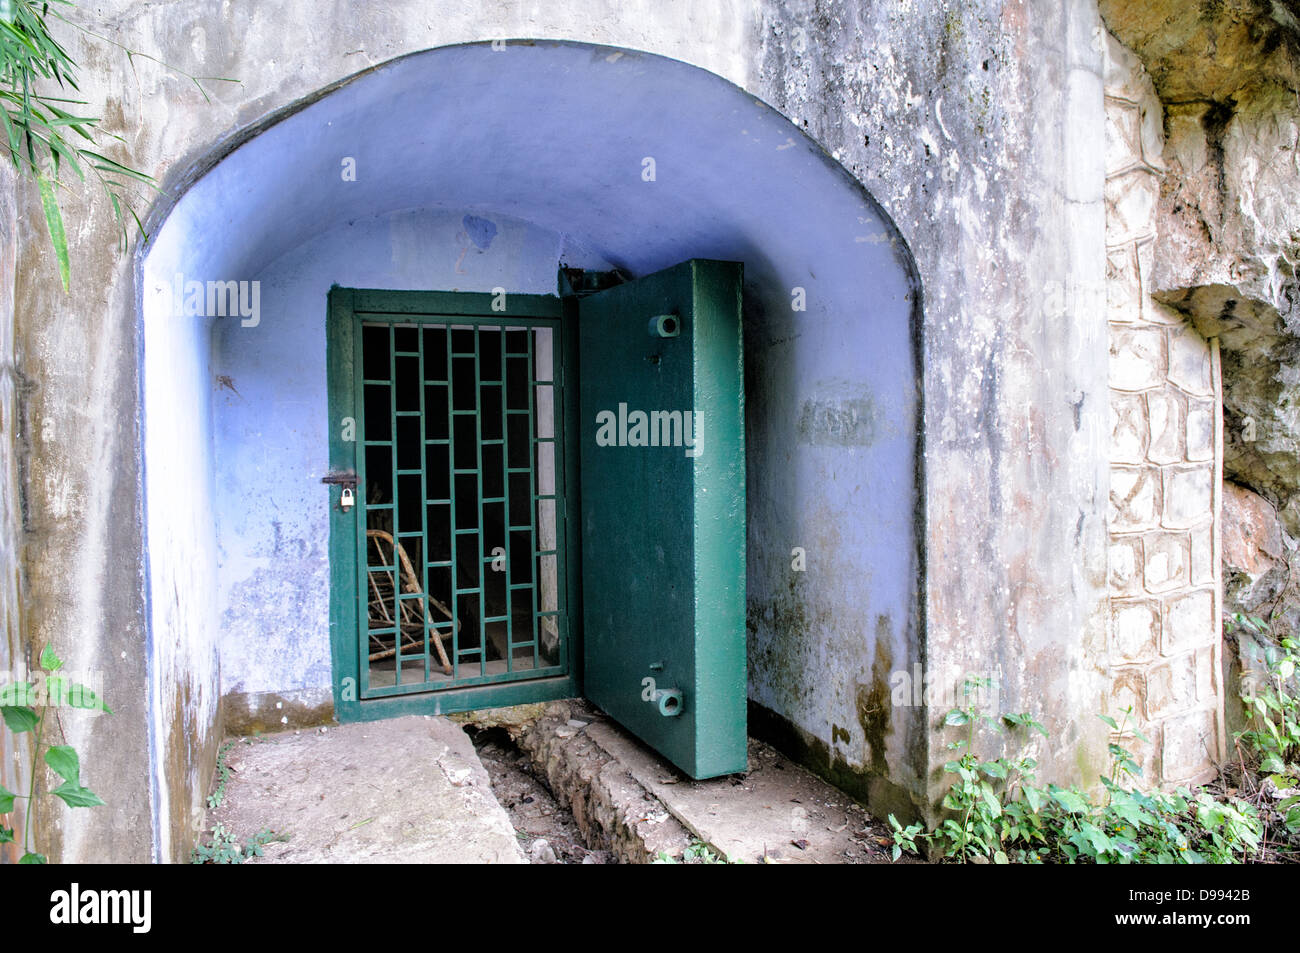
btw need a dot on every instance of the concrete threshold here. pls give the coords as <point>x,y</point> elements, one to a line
<point>628,800</point>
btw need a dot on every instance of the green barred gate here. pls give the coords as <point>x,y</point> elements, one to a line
<point>447,410</point>
<point>455,560</point>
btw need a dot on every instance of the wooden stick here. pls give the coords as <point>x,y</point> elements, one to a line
<point>413,586</point>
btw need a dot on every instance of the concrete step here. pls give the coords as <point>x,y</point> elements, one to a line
<point>630,801</point>
<point>406,790</point>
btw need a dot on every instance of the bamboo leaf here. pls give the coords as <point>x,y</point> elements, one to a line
<point>54,222</point>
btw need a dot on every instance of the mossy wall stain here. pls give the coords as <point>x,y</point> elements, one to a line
<point>873,700</point>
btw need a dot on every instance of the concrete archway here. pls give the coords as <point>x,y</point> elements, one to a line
<point>549,143</point>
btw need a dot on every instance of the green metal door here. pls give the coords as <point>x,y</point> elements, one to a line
<point>663,511</point>
<point>448,566</point>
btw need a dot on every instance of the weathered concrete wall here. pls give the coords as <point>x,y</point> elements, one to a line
<point>978,127</point>
<point>14,753</point>
<point>1165,413</point>
<point>84,554</point>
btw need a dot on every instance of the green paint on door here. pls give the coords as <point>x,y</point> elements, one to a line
<point>663,511</point>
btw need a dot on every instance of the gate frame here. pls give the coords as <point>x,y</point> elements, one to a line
<point>345,661</point>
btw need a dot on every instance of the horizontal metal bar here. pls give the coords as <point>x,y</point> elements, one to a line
<point>454,687</point>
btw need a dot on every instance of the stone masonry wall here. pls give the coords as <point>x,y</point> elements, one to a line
<point>1165,638</point>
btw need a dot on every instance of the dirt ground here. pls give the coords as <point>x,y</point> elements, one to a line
<point>546,830</point>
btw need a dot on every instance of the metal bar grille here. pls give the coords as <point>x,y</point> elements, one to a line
<point>437,617</point>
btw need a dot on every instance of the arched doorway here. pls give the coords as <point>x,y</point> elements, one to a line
<point>484,166</point>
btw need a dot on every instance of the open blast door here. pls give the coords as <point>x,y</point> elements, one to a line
<point>661,388</point>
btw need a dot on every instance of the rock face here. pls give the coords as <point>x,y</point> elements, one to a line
<point>1227,74</point>
<point>1258,575</point>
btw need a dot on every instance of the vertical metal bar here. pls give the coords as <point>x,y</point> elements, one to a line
<point>478,489</point>
<point>363,515</point>
<point>505,505</point>
<point>451,492</point>
<point>425,617</point>
<point>532,499</point>
<point>397,539</point>
<point>558,485</point>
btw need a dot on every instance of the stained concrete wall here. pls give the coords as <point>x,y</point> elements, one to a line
<point>14,752</point>
<point>977,127</point>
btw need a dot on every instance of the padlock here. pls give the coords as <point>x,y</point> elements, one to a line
<point>347,500</point>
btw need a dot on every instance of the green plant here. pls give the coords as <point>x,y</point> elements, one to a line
<point>697,853</point>
<point>24,706</point>
<point>983,789</point>
<point>218,796</point>
<point>42,129</point>
<point>224,847</point>
<point>996,813</point>
<point>1269,748</point>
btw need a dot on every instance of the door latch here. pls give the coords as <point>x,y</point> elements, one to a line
<point>346,480</point>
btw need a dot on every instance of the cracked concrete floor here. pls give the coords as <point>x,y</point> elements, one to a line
<point>405,790</point>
